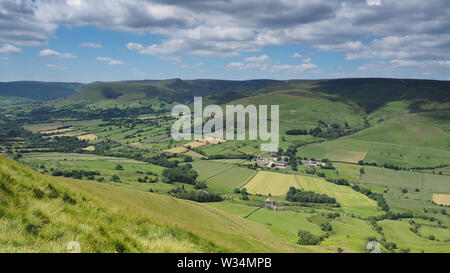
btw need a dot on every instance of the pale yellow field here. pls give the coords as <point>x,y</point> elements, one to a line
<point>88,137</point>
<point>194,154</point>
<point>207,140</point>
<point>269,182</point>
<point>57,131</point>
<point>195,144</point>
<point>176,150</point>
<point>441,199</point>
<point>89,149</point>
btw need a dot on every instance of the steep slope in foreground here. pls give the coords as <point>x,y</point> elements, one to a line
<point>43,214</point>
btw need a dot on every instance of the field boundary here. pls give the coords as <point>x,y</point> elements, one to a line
<point>248,180</point>
<point>298,182</point>
<point>214,175</point>
<point>253,212</point>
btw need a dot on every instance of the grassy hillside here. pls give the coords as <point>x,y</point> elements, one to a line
<point>140,93</point>
<point>41,91</point>
<point>43,214</point>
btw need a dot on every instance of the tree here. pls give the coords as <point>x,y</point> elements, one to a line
<point>119,167</point>
<point>307,238</point>
<point>188,158</point>
<point>115,178</point>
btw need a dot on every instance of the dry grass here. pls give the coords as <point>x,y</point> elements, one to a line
<point>89,149</point>
<point>176,150</point>
<point>57,131</point>
<point>88,137</point>
<point>269,182</point>
<point>203,142</point>
<point>442,199</point>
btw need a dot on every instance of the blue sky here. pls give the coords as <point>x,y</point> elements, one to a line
<point>85,41</point>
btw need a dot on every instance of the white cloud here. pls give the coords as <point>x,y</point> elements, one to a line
<point>53,53</point>
<point>8,48</point>
<point>55,67</point>
<point>346,46</point>
<point>91,45</point>
<point>196,65</point>
<point>404,63</point>
<point>235,64</point>
<point>110,61</point>
<point>406,30</point>
<point>299,68</point>
<point>256,59</point>
<point>374,2</point>
<point>409,47</point>
<point>134,46</point>
<point>295,55</point>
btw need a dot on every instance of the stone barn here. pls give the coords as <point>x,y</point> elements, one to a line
<point>270,204</point>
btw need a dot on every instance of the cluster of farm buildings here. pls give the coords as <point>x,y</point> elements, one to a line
<point>282,162</point>
<point>272,162</point>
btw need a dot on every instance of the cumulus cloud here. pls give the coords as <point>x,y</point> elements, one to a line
<point>296,55</point>
<point>53,53</point>
<point>235,64</point>
<point>8,48</point>
<point>230,28</point>
<point>257,59</point>
<point>110,61</point>
<point>265,63</point>
<point>299,68</point>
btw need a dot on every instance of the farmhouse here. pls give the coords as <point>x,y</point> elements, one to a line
<point>266,162</point>
<point>270,204</point>
<point>272,162</point>
<point>312,163</point>
<point>279,165</point>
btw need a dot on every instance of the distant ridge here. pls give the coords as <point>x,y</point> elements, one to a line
<point>40,91</point>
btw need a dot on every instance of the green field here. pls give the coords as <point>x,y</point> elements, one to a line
<point>207,169</point>
<point>351,201</point>
<point>231,179</point>
<point>406,179</point>
<point>344,150</point>
<point>398,232</point>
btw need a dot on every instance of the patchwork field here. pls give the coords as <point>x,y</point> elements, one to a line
<point>406,179</point>
<point>351,201</point>
<point>409,141</point>
<point>106,166</point>
<point>399,232</point>
<point>271,183</point>
<point>88,137</point>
